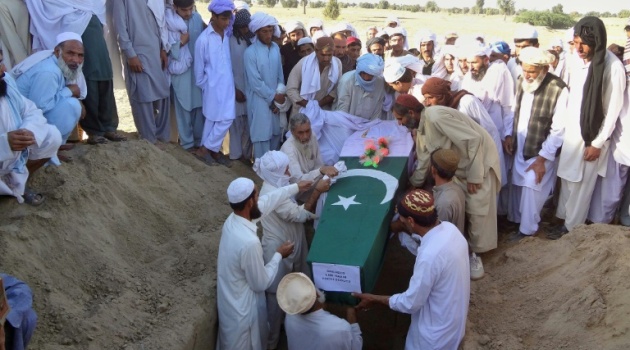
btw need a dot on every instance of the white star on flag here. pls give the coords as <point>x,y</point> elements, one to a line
<point>346,201</point>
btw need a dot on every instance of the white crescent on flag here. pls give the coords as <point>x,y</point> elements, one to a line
<point>390,182</point>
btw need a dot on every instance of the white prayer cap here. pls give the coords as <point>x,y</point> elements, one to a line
<point>305,40</point>
<point>261,20</point>
<point>271,167</point>
<point>241,5</point>
<point>296,293</point>
<point>68,36</point>
<point>425,35</point>
<point>393,72</point>
<point>535,56</point>
<point>556,42</point>
<point>526,32</point>
<point>292,26</point>
<point>240,189</point>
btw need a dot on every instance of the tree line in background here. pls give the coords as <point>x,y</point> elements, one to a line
<point>554,18</point>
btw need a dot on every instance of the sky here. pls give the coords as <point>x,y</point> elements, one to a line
<point>582,6</point>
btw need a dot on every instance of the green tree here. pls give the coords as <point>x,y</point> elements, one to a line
<point>624,14</point>
<point>506,7</point>
<point>332,10</point>
<point>431,6</point>
<point>557,9</point>
<point>270,3</point>
<point>383,5</point>
<point>478,8</point>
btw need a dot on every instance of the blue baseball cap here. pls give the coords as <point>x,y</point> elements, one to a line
<point>501,47</point>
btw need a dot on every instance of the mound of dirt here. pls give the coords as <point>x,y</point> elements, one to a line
<point>122,255</point>
<point>565,294</point>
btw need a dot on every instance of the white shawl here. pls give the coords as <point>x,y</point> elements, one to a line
<point>311,76</point>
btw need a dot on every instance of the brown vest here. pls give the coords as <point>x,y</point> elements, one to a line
<point>545,99</point>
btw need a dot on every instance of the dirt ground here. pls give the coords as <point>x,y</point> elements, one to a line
<point>122,255</point>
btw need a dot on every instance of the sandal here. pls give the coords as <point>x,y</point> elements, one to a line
<point>96,140</point>
<point>33,198</point>
<point>223,160</point>
<point>114,136</point>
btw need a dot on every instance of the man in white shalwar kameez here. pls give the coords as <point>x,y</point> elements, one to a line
<point>539,114</point>
<point>596,84</point>
<point>361,92</point>
<point>242,275</point>
<point>432,62</point>
<point>608,192</point>
<point>315,77</point>
<point>27,141</point>
<point>213,74</point>
<point>622,140</point>
<point>241,39</point>
<point>263,73</point>
<point>439,290</point>
<point>303,151</point>
<point>284,223</point>
<point>308,325</point>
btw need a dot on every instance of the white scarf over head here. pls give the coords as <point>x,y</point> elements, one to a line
<point>272,168</point>
<point>261,20</point>
<point>52,17</point>
<point>310,76</point>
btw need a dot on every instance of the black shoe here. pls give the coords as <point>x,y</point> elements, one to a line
<point>517,236</point>
<point>557,232</point>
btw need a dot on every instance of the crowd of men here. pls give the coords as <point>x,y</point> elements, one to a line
<point>499,131</point>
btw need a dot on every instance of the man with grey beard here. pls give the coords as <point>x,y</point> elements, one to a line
<point>303,151</point>
<point>50,78</point>
<point>538,133</point>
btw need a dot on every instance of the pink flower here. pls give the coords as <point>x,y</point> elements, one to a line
<point>384,152</point>
<point>376,159</point>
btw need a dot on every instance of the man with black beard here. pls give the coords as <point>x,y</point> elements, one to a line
<point>303,151</point>
<point>242,275</point>
<point>26,141</point>
<point>50,78</point>
<point>539,113</point>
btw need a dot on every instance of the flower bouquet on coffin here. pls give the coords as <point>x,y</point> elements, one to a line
<point>374,152</point>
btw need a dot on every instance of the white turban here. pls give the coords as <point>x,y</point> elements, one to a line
<point>68,36</point>
<point>395,31</point>
<point>315,23</point>
<point>450,50</point>
<point>425,35</point>
<point>318,34</point>
<point>241,5</point>
<point>343,26</point>
<point>535,56</point>
<point>292,26</point>
<point>392,19</point>
<point>409,61</point>
<point>556,42</point>
<point>477,51</point>
<point>272,167</point>
<point>526,32</point>
<point>240,189</point>
<point>393,72</point>
<point>261,20</point>
<point>305,40</point>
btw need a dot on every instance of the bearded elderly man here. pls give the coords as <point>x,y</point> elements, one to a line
<point>26,141</point>
<point>315,77</point>
<point>242,275</point>
<point>596,86</point>
<point>539,114</point>
<point>303,151</point>
<point>263,73</point>
<point>284,223</point>
<point>361,92</point>
<point>48,78</point>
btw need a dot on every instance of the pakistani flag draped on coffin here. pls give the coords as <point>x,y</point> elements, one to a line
<point>347,251</point>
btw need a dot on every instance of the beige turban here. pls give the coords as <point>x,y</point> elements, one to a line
<point>535,56</point>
